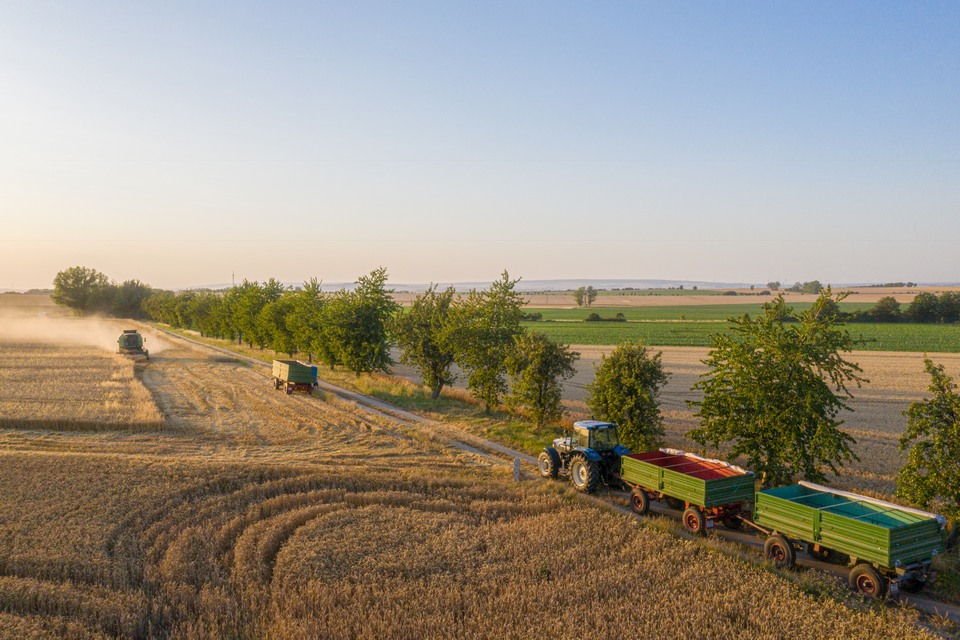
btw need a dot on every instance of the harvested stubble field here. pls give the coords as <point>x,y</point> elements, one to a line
<point>255,514</point>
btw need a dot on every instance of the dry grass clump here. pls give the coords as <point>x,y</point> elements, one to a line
<point>73,388</point>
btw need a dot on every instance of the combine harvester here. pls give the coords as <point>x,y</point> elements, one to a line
<point>130,343</point>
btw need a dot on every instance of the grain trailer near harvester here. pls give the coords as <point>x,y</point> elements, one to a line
<point>889,547</point>
<point>706,489</point>
<point>292,375</point>
<point>130,343</point>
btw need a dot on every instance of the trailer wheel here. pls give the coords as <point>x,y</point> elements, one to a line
<point>640,501</point>
<point>276,383</point>
<point>732,522</point>
<point>549,463</point>
<point>779,551</point>
<point>674,503</point>
<point>289,389</point>
<point>585,474</point>
<point>868,581</point>
<point>694,521</point>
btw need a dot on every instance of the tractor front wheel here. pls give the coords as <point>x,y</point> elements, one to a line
<point>640,501</point>
<point>549,463</point>
<point>585,474</point>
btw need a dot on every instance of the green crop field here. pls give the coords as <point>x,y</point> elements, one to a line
<point>930,338</point>
<point>678,312</point>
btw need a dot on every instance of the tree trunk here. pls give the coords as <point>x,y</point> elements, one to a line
<point>435,392</point>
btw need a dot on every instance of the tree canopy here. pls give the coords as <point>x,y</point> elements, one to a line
<point>775,387</point>
<point>932,443</point>
<point>624,391</point>
<point>537,367</point>
<point>420,334</point>
<point>482,332</point>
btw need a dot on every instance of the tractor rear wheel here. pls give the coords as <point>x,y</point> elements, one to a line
<point>866,580</point>
<point>779,551</point>
<point>695,521</point>
<point>549,463</point>
<point>585,474</point>
<point>640,501</point>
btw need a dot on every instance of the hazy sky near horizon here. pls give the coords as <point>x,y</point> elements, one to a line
<point>187,143</point>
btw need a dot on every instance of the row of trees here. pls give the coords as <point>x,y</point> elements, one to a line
<point>775,388</point>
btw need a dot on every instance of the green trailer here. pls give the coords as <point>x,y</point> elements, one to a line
<point>293,375</point>
<point>888,546</point>
<point>706,489</point>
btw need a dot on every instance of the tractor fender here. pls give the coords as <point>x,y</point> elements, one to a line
<point>620,450</point>
<point>589,454</point>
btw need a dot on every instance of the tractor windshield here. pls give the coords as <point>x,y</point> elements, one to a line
<point>605,439</point>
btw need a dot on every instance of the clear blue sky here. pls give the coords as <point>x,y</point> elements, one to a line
<point>180,143</point>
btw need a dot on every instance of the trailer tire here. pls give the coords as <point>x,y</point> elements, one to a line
<point>276,383</point>
<point>779,551</point>
<point>674,503</point>
<point>549,463</point>
<point>585,474</point>
<point>640,501</point>
<point>867,581</point>
<point>289,389</point>
<point>695,521</point>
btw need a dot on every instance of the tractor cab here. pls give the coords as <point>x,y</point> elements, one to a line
<point>589,434</point>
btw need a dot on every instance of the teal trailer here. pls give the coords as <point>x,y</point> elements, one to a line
<point>888,546</point>
<point>293,375</point>
<point>706,489</point>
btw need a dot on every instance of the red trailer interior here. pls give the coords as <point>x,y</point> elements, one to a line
<point>703,469</point>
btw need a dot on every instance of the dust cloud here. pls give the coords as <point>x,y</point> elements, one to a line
<point>101,333</point>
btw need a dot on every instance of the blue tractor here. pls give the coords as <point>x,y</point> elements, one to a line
<point>591,455</point>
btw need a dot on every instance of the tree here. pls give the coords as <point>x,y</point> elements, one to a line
<point>925,307</point>
<point>624,391</point>
<point>127,299</point>
<point>591,295</point>
<point>932,439</point>
<point>580,296</point>
<point>774,285</point>
<point>887,309</point>
<point>537,367</point>
<point>775,387</point>
<point>82,289</point>
<point>481,334</point>
<point>950,306</point>
<point>306,317</point>
<point>420,333</point>
<point>272,323</point>
<point>359,329</point>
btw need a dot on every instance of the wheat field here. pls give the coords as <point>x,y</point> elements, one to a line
<point>253,514</point>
